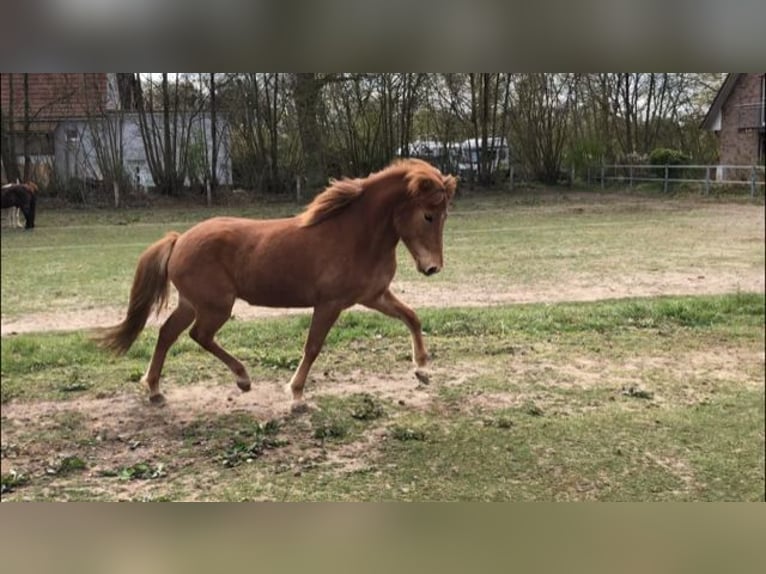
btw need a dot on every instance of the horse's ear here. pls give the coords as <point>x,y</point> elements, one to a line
<point>426,185</point>
<point>450,185</point>
<point>420,184</point>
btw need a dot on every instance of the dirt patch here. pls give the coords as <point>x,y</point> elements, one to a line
<point>118,433</point>
<point>688,378</point>
<point>422,295</point>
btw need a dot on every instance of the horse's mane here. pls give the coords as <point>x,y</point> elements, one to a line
<point>339,194</point>
<point>421,178</point>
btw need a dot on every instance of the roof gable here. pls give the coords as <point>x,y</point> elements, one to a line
<point>720,99</point>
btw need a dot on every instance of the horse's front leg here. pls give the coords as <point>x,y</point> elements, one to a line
<point>324,317</point>
<point>388,304</point>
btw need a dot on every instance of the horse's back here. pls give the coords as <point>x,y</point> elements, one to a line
<point>245,258</point>
<point>14,195</point>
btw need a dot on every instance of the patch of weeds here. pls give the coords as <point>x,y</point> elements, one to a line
<point>366,408</point>
<point>74,387</point>
<point>331,429</point>
<point>404,433</point>
<point>9,450</point>
<point>67,465</point>
<point>271,427</point>
<point>534,411</point>
<point>74,383</point>
<point>12,480</point>
<point>637,393</point>
<point>217,431</point>
<point>279,361</point>
<point>138,471</point>
<point>262,438</point>
<point>498,422</point>
<point>342,418</point>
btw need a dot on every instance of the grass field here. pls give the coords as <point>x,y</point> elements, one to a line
<point>586,347</point>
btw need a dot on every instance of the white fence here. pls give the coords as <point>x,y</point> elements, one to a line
<point>707,176</point>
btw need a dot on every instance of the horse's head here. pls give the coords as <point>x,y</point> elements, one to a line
<point>419,220</point>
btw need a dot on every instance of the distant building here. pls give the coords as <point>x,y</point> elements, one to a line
<point>68,115</point>
<point>737,117</point>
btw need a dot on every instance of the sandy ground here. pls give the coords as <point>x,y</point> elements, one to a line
<point>422,295</point>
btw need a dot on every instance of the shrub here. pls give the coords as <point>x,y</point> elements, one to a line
<point>662,156</point>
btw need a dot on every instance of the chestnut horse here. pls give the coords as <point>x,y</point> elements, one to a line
<point>23,196</point>
<point>340,251</point>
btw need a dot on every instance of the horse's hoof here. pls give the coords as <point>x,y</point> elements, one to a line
<point>157,400</point>
<point>300,408</point>
<point>244,385</point>
<point>423,376</point>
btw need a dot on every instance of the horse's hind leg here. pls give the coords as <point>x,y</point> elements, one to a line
<point>209,321</point>
<point>13,218</point>
<point>174,325</point>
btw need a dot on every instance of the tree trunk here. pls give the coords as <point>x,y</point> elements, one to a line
<point>307,92</point>
<point>27,125</point>
<point>167,150</point>
<point>214,135</point>
<point>9,151</point>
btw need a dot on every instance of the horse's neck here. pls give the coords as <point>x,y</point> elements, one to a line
<point>373,215</point>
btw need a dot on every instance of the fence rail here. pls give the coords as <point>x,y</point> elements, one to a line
<point>707,175</point>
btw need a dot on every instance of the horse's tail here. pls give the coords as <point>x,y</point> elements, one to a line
<point>150,288</point>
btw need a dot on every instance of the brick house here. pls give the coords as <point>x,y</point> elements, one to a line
<point>66,114</point>
<point>737,117</point>
<point>53,98</point>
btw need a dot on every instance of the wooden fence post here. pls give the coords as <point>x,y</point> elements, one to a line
<point>602,174</point>
<point>630,176</point>
<point>298,188</point>
<point>707,180</point>
<point>752,182</point>
<point>665,186</point>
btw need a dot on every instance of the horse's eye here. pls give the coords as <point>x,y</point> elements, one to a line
<point>429,217</point>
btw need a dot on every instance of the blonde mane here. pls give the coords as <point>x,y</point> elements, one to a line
<point>421,178</point>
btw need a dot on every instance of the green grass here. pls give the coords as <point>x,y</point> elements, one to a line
<point>526,402</point>
<point>640,398</point>
<point>79,260</point>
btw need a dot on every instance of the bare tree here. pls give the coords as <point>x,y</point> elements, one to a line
<point>540,121</point>
<point>359,117</point>
<point>106,127</point>
<point>307,94</point>
<point>213,181</point>
<point>9,133</point>
<point>266,143</point>
<point>167,146</point>
<point>27,125</point>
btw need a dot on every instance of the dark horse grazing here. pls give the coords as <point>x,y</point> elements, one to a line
<point>339,252</point>
<point>23,196</point>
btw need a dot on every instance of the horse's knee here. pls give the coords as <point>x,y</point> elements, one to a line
<point>198,337</point>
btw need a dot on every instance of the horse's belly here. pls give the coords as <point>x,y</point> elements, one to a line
<point>272,296</point>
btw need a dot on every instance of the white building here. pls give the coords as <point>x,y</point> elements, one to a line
<point>76,142</point>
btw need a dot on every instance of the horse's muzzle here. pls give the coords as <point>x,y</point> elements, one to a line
<point>431,270</point>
